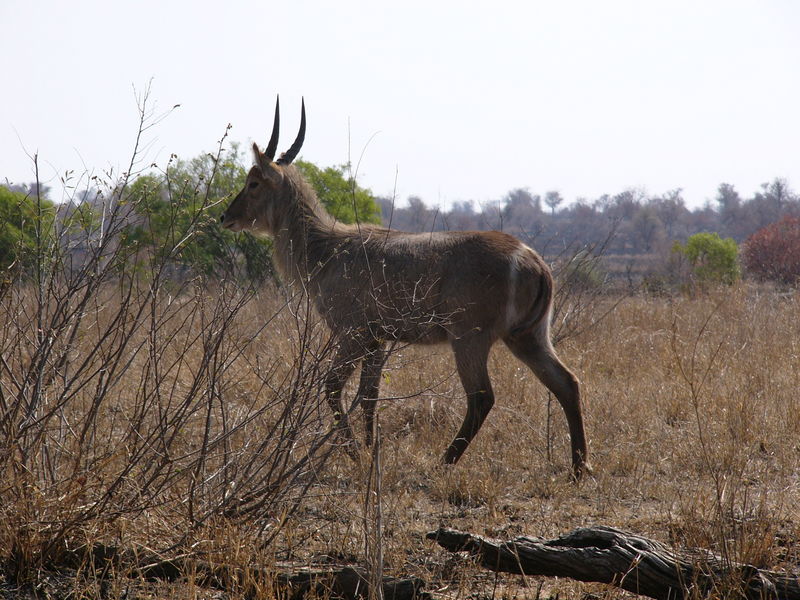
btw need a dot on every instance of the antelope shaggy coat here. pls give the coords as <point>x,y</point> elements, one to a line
<point>374,285</point>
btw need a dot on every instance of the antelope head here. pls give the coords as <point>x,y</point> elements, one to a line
<point>254,208</point>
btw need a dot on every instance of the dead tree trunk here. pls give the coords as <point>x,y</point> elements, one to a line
<point>633,563</point>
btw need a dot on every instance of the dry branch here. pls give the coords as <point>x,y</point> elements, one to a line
<point>631,562</point>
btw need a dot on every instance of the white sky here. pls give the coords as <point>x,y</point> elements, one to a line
<point>461,100</point>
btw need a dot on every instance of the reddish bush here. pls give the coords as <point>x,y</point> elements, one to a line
<point>774,252</point>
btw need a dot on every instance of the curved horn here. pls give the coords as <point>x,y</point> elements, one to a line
<point>273,140</point>
<point>291,153</point>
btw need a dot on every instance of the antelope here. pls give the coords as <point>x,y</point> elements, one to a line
<point>375,286</point>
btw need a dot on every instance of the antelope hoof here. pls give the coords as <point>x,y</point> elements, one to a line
<point>348,440</point>
<point>581,469</point>
<point>351,447</point>
<point>451,456</point>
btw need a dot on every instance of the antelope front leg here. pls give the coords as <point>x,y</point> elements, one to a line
<point>368,388</point>
<point>343,366</point>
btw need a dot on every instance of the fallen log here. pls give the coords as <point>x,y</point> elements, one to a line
<point>631,562</point>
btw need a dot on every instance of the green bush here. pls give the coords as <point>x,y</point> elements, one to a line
<point>26,222</point>
<point>712,259</point>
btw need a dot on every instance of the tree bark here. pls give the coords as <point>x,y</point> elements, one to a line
<point>631,562</point>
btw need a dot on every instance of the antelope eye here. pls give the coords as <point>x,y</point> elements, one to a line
<point>253,185</point>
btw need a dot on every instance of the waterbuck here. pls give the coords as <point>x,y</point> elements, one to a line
<point>374,286</point>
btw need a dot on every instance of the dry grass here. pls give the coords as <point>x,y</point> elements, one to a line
<point>691,408</point>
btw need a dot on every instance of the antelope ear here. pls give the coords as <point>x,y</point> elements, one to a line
<point>269,170</point>
<point>257,155</point>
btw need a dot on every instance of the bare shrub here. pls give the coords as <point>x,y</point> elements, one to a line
<point>582,285</point>
<point>138,405</point>
<point>773,252</point>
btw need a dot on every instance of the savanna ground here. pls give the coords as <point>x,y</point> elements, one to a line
<point>204,435</point>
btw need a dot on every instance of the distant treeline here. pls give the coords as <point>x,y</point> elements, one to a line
<point>629,223</point>
<point>634,232</point>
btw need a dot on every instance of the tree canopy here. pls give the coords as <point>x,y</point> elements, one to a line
<point>25,221</point>
<point>176,212</point>
<point>340,194</point>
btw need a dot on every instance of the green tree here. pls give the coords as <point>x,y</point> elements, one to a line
<point>340,194</point>
<point>712,259</point>
<point>175,215</point>
<point>26,223</point>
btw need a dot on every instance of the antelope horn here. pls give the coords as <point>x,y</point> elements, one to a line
<point>288,156</point>
<point>273,140</point>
